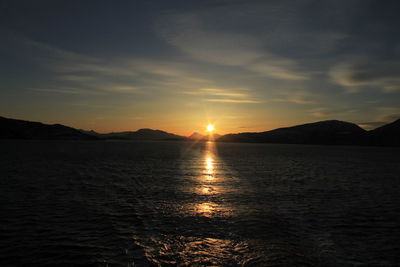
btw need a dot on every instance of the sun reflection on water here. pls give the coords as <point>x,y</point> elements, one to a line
<point>207,190</point>
<point>209,161</point>
<point>205,208</point>
<point>209,168</point>
<point>208,185</point>
<point>211,209</point>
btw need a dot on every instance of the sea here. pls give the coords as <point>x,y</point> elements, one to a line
<point>167,203</point>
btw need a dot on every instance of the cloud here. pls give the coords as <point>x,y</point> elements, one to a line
<point>71,91</point>
<point>296,97</point>
<point>279,68</point>
<point>321,113</point>
<point>388,114</point>
<point>79,74</point>
<point>371,125</point>
<point>74,73</point>
<point>219,92</point>
<point>75,78</point>
<point>50,52</point>
<point>120,88</point>
<point>385,115</point>
<point>390,117</point>
<point>93,106</point>
<point>226,100</point>
<point>225,3</point>
<point>391,88</point>
<point>236,95</point>
<point>186,33</point>
<point>358,73</point>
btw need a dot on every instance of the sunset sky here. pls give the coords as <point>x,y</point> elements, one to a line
<point>179,65</point>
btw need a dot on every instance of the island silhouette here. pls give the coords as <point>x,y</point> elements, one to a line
<point>330,132</point>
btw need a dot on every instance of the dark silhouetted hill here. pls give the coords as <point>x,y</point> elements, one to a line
<point>200,137</point>
<point>386,135</point>
<point>323,132</point>
<point>330,132</point>
<point>142,134</point>
<point>20,129</point>
<point>196,137</point>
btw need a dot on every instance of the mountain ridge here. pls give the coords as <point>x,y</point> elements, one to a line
<point>329,132</point>
<point>22,129</point>
<point>388,134</point>
<point>201,137</point>
<point>141,134</point>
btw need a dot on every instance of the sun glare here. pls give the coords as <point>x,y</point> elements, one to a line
<point>210,128</point>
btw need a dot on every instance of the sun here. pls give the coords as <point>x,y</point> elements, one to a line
<point>210,128</point>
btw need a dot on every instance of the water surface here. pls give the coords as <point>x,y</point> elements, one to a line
<point>179,203</point>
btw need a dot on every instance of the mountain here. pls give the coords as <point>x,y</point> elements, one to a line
<point>20,129</point>
<point>323,132</point>
<point>199,137</point>
<point>331,132</point>
<point>386,135</point>
<point>142,134</point>
<point>90,132</point>
<point>216,136</point>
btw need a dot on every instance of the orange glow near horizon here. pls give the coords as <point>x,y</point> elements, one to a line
<point>183,125</point>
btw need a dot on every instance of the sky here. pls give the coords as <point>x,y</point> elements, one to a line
<point>243,65</point>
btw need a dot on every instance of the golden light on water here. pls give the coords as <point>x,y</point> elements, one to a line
<point>208,209</point>
<point>212,209</point>
<point>209,185</point>
<point>209,161</point>
<point>209,165</point>
<point>206,190</point>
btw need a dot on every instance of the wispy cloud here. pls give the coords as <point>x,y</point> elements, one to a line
<point>226,100</point>
<point>384,116</point>
<point>391,88</point>
<point>296,97</point>
<point>320,113</point>
<point>357,73</point>
<point>75,78</point>
<point>120,88</point>
<point>387,114</point>
<point>370,125</point>
<point>218,92</point>
<point>235,95</point>
<point>53,52</point>
<point>185,32</point>
<point>79,74</point>
<point>278,68</point>
<point>71,91</point>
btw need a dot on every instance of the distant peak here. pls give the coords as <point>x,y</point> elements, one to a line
<point>148,130</point>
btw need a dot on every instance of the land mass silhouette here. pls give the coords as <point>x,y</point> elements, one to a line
<point>20,129</point>
<point>201,137</point>
<point>331,132</point>
<point>323,132</point>
<point>141,134</point>
<point>388,135</point>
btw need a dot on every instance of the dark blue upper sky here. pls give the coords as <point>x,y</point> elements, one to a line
<point>176,65</point>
